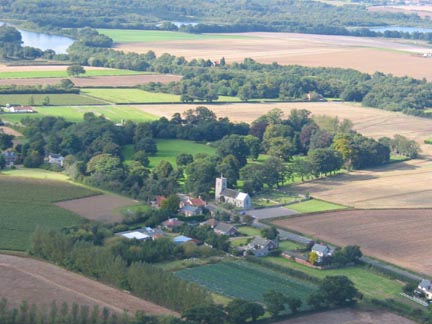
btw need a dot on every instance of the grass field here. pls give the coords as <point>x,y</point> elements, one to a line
<point>63,74</point>
<point>27,203</point>
<point>169,149</point>
<point>35,174</point>
<point>127,36</point>
<point>249,231</point>
<point>314,205</point>
<point>75,114</point>
<point>369,283</point>
<point>54,99</point>
<point>130,95</point>
<point>246,280</point>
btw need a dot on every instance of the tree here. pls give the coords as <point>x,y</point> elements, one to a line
<point>239,311</point>
<point>234,145</point>
<point>75,70</point>
<point>46,101</point>
<point>171,203</point>
<point>336,291</point>
<point>275,302</point>
<point>6,141</point>
<point>254,145</point>
<point>313,257</point>
<point>184,159</point>
<point>67,84</point>
<point>270,232</point>
<point>2,162</point>
<point>205,314</point>
<point>141,157</point>
<point>294,304</point>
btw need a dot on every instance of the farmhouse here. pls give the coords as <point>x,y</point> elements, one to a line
<point>20,109</point>
<point>425,287</point>
<point>56,159</point>
<point>230,196</point>
<point>322,251</point>
<point>185,200</point>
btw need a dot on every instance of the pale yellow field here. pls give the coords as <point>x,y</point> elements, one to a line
<point>31,68</point>
<point>396,56</point>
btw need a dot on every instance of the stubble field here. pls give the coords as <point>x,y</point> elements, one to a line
<point>363,54</point>
<point>41,283</point>
<point>398,236</point>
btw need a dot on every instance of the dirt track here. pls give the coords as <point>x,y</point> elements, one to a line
<point>101,208</point>
<point>360,53</point>
<point>349,316</point>
<point>40,283</point>
<point>398,236</point>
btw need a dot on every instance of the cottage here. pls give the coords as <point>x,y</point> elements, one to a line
<point>190,211</point>
<point>171,224</point>
<point>221,228</point>
<point>56,159</point>
<point>195,202</point>
<point>322,251</point>
<point>261,247</point>
<point>230,196</point>
<point>425,287</point>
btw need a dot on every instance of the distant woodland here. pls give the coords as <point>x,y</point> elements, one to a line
<point>303,16</point>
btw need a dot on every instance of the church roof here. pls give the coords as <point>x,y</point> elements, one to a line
<point>230,193</point>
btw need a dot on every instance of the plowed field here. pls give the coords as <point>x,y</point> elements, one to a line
<point>40,283</point>
<point>398,236</point>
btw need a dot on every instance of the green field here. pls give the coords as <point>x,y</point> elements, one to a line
<point>369,283</point>
<point>129,36</point>
<point>36,174</point>
<point>131,95</point>
<point>246,280</point>
<point>27,203</point>
<point>75,114</point>
<point>63,74</point>
<point>169,149</point>
<point>314,205</point>
<point>249,231</point>
<point>62,99</point>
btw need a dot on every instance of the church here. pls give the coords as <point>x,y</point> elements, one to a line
<point>230,196</point>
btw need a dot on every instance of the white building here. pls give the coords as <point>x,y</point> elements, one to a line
<point>230,196</point>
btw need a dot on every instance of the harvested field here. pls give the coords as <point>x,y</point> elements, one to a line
<point>102,208</point>
<point>31,68</point>
<point>9,131</point>
<point>40,283</point>
<point>422,11</point>
<point>350,316</point>
<point>377,232</point>
<point>360,53</point>
<point>99,81</point>
<point>398,185</point>
<point>368,121</point>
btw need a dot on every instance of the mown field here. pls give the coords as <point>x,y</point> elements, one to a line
<point>169,149</point>
<point>128,36</point>
<point>246,280</point>
<point>54,99</point>
<point>27,203</point>
<point>130,95</point>
<point>75,114</point>
<point>63,74</point>
<point>314,205</point>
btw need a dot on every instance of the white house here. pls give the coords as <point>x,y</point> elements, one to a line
<point>322,251</point>
<point>20,109</point>
<point>55,159</point>
<point>425,287</point>
<point>230,196</point>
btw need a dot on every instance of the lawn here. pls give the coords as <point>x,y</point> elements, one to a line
<point>75,114</point>
<point>249,231</point>
<point>63,74</point>
<point>130,95</point>
<point>27,203</point>
<point>169,149</point>
<point>314,205</point>
<point>35,174</point>
<point>367,282</point>
<point>289,245</point>
<point>246,280</point>
<point>54,99</point>
<point>128,36</point>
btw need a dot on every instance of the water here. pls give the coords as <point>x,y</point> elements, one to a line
<point>45,41</point>
<point>402,29</point>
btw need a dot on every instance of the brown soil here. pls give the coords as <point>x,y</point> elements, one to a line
<point>9,131</point>
<point>349,316</point>
<point>399,185</point>
<point>101,208</point>
<point>99,81</point>
<point>41,283</point>
<point>398,236</point>
<point>364,54</point>
<point>368,121</point>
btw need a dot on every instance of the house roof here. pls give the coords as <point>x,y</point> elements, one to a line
<point>188,208</point>
<point>135,235</point>
<point>8,154</point>
<point>181,239</point>
<point>320,248</point>
<point>22,108</point>
<point>242,196</point>
<point>259,241</point>
<point>224,227</point>
<point>198,202</point>
<point>212,222</point>
<point>172,222</point>
<point>153,232</point>
<point>56,156</point>
<point>425,284</point>
<point>229,193</point>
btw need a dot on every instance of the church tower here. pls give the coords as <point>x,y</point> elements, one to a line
<point>221,184</point>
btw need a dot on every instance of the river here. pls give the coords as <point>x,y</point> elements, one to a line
<point>45,41</point>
